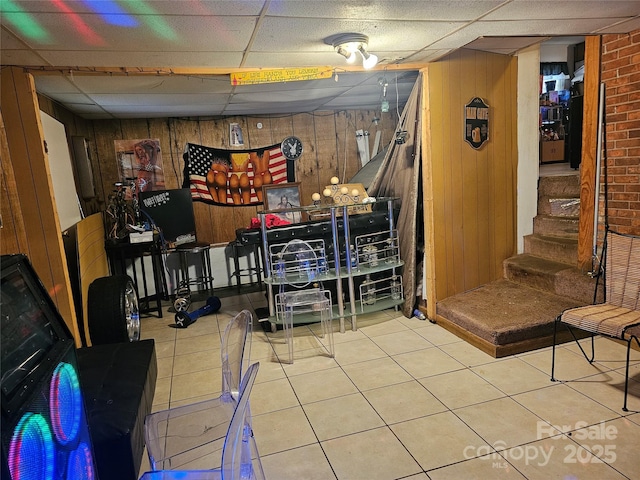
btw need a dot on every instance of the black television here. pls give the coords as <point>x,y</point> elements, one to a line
<point>43,428</point>
<point>172,212</point>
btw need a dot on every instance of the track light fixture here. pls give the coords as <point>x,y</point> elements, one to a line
<point>349,44</point>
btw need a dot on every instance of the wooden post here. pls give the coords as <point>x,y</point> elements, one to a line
<point>589,143</point>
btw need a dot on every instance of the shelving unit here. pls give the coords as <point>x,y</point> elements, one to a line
<point>328,261</point>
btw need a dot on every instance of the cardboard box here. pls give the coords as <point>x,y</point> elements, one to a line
<point>552,151</point>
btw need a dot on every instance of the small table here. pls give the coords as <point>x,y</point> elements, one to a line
<point>123,254</point>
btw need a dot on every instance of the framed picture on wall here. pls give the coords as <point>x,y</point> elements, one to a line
<point>283,196</point>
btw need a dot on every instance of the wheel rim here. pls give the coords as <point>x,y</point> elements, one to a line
<point>132,314</point>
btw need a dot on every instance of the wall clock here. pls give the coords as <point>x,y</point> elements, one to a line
<point>291,148</point>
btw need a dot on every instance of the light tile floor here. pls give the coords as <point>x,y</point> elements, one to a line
<point>404,398</point>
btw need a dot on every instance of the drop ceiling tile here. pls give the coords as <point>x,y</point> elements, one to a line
<point>124,111</point>
<point>383,10</point>
<point>504,45</point>
<point>82,109</point>
<point>8,40</point>
<point>157,84</point>
<point>70,98</point>
<point>622,27</point>
<point>141,99</point>
<point>541,27</point>
<point>171,33</point>
<point>158,59</point>
<point>55,83</point>
<point>20,57</point>
<point>573,11</point>
<point>430,55</point>
<point>308,34</point>
<point>207,7</point>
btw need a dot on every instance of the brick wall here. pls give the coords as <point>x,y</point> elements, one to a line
<point>621,75</point>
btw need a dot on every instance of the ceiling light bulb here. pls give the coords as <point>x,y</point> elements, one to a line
<point>369,60</point>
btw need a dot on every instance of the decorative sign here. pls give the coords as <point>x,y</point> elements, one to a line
<point>281,75</point>
<point>476,122</point>
<point>350,194</point>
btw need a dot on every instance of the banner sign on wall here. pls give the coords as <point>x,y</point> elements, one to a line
<point>280,75</point>
<point>476,122</point>
<point>232,177</point>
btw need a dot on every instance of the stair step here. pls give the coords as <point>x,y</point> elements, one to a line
<point>560,186</point>
<point>558,249</point>
<point>553,226</point>
<point>503,312</point>
<point>548,275</point>
<point>558,206</point>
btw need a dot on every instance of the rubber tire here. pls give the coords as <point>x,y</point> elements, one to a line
<point>113,311</point>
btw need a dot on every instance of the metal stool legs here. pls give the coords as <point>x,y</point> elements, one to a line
<point>205,280</point>
<point>236,245</point>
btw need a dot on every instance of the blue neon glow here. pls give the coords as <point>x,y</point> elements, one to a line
<point>65,404</point>
<point>31,451</point>
<point>80,464</point>
<point>112,13</point>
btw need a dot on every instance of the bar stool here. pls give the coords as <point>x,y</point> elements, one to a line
<point>244,239</point>
<point>203,281</point>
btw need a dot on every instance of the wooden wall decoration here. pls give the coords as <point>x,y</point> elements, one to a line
<point>476,122</point>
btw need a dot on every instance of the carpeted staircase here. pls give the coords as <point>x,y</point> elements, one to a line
<point>516,314</point>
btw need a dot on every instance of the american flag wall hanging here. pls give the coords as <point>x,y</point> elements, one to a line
<point>232,177</point>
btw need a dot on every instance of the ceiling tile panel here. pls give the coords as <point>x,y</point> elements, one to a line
<point>177,33</point>
<point>162,84</point>
<point>623,27</point>
<point>384,10</point>
<point>229,35</point>
<point>158,59</point>
<point>565,10</point>
<point>139,100</point>
<point>308,34</point>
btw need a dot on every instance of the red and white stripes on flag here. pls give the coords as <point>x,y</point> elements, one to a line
<point>198,160</point>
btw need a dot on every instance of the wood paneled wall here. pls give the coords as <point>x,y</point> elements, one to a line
<point>472,193</point>
<point>30,224</point>
<point>329,140</point>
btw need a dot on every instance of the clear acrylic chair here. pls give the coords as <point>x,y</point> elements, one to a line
<point>197,456</point>
<point>619,316</point>
<point>235,351</point>
<point>168,449</point>
<point>308,306</point>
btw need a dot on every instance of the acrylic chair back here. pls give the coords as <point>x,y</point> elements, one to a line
<point>622,273</point>
<point>235,352</point>
<point>240,459</point>
<point>184,436</point>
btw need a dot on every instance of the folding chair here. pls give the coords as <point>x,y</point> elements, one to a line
<point>619,316</point>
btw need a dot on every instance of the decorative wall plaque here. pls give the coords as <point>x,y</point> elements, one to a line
<point>476,122</point>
